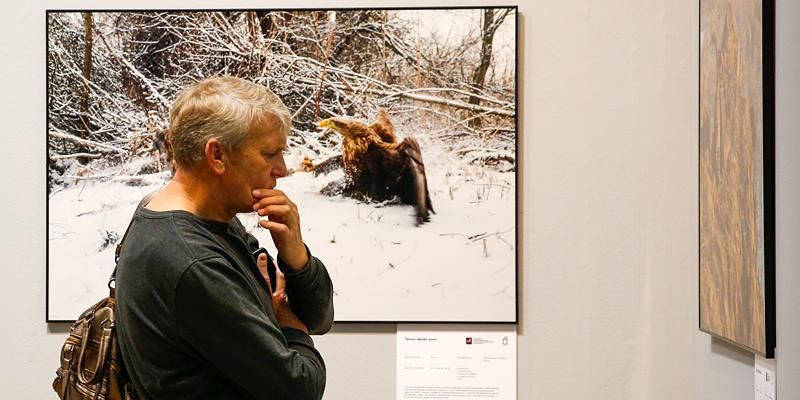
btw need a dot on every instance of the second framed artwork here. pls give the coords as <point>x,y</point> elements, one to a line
<point>737,173</point>
<point>443,76</point>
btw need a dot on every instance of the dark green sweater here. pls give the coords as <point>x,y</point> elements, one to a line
<point>195,320</point>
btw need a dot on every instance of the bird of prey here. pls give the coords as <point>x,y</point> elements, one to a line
<point>377,166</point>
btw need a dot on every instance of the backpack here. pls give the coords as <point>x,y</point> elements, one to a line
<point>91,362</point>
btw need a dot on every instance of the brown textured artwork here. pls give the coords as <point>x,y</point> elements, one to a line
<point>733,271</point>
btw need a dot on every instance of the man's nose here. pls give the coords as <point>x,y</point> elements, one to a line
<point>280,169</point>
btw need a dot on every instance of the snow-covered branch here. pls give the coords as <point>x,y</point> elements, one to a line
<point>100,146</point>
<point>321,64</point>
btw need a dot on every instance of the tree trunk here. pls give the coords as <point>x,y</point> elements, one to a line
<point>87,76</point>
<point>265,23</point>
<point>479,77</point>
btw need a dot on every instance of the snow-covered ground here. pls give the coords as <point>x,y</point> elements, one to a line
<point>458,267</point>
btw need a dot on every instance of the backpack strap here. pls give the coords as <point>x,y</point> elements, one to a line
<point>118,250</point>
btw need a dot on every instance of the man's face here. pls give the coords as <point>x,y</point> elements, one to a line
<point>257,164</point>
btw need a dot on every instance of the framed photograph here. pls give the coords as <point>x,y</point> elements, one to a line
<point>439,81</point>
<point>736,174</point>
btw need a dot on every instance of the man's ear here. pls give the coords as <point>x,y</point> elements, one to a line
<point>215,156</point>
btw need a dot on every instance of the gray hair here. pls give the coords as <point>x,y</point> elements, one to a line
<point>224,108</point>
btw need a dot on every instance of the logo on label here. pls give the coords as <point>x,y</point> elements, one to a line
<point>469,340</point>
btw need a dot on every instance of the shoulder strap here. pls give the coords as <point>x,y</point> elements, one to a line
<point>118,250</point>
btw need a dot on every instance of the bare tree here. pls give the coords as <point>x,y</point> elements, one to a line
<point>113,75</point>
<point>491,23</point>
<point>87,70</point>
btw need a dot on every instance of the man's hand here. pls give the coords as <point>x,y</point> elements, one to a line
<point>283,224</point>
<point>280,301</point>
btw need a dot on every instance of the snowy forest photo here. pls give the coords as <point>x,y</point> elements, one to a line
<point>444,77</point>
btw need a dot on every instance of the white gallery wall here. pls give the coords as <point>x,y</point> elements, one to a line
<point>787,193</point>
<point>608,278</point>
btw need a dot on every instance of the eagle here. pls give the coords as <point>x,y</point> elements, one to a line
<point>377,166</point>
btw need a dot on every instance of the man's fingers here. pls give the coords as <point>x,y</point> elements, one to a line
<point>274,227</point>
<point>281,284</point>
<point>268,197</point>
<point>270,201</point>
<point>279,298</point>
<point>258,193</point>
<point>275,211</point>
<point>261,262</point>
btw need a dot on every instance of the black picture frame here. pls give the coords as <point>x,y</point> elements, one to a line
<point>512,316</point>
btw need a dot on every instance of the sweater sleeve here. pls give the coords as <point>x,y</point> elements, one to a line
<point>310,293</point>
<point>219,315</point>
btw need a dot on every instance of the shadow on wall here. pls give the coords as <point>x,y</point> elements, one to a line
<point>346,327</point>
<point>731,352</point>
<point>58,328</point>
<point>62,328</point>
<point>520,178</point>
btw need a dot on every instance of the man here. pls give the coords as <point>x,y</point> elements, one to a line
<point>198,318</point>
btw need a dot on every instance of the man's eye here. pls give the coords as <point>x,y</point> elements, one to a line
<point>275,153</point>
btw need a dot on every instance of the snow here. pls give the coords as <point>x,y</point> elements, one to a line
<point>460,266</point>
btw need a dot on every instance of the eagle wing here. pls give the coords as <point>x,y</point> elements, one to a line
<point>384,127</point>
<point>415,182</point>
